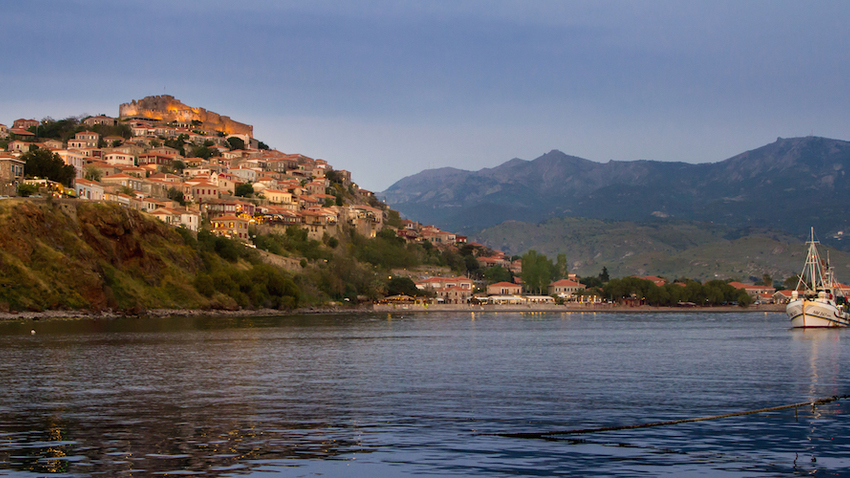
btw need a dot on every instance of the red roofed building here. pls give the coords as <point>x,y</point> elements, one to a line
<point>565,288</point>
<point>122,179</point>
<point>20,132</point>
<point>24,123</point>
<point>504,288</point>
<point>85,139</point>
<point>203,191</point>
<point>104,120</point>
<point>655,280</point>
<point>757,292</point>
<point>11,168</point>
<point>493,261</point>
<point>88,189</point>
<point>782,296</point>
<point>230,226</point>
<point>158,159</point>
<point>20,146</point>
<point>277,215</point>
<point>451,290</point>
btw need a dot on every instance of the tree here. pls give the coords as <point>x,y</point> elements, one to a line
<point>333,176</point>
<point>176,195</point>
<point>244,190</point>
<point>497,274</point>
<point>44,164</point>
<point>202,152</point>
<point>393,216</point>
<point>92,173</point>
<point>744,299</point>
<point>603,276</point>
<point>561,267</point>
<point>402,286</point>
<point>235,143</point>
<point>471,263</point>
<point>537,271</point>
<point>791,282</point>
<point>26,190</point>
<point>592,281</point>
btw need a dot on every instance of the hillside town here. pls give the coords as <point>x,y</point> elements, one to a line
<point>201,183</point>
<point>192,168</point>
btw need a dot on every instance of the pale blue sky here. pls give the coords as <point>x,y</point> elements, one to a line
<point>386,89</point>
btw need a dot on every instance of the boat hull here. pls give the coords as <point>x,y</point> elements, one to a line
<point>816,313</point>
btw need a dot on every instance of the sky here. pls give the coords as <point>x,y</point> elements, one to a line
<point>386,89</point>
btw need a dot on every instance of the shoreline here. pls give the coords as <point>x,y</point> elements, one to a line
<point>595,308</point>
<point>380,308</point>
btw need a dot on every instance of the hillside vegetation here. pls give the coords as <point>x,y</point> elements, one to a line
<point>72,254</point>
<point>664,248</point>
<point>87,255</point>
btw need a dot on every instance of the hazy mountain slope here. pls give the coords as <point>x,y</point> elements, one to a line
<point>665,248</point>
<point>789,185</point>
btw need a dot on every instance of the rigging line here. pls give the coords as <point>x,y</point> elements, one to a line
<point>820,401</point>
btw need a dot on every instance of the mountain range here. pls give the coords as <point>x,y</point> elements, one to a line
<point>789,185</point>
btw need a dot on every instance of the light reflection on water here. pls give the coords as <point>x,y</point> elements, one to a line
<point>398,395</point>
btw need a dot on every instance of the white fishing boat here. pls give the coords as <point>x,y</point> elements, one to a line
<point>818,300</point>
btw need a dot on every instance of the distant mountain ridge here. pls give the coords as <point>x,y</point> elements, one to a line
<point>789,185</point>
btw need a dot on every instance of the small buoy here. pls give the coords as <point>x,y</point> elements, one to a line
<point>32,332</point>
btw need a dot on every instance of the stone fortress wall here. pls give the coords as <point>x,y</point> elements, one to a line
<point>166,108</point>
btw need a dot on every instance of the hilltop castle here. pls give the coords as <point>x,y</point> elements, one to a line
<point>166,108</point>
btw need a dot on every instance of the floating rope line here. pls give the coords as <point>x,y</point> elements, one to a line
<point>820,401</point>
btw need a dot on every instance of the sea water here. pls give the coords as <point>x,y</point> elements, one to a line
<point>427,394</point>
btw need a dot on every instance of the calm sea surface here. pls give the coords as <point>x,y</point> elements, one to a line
<point>396,395</point>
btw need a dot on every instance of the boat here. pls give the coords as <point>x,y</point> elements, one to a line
<point>818,300</point>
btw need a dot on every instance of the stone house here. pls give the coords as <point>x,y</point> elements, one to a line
<point>22,123</point>
<point>230,226</point>
<point>11,168</point>
<point>158,159</point>
<point>117,158</point>
<point>203,191</point>
<point>88,189</point>
<point>20,146</point>
<point>280,198</point>
<point>87,139</point>
<point>104,120</point>
<point>122,179</point>
<point>451,290</point>
<point>318,221</point>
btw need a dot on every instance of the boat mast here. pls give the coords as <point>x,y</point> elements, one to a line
<point>813,271</point>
